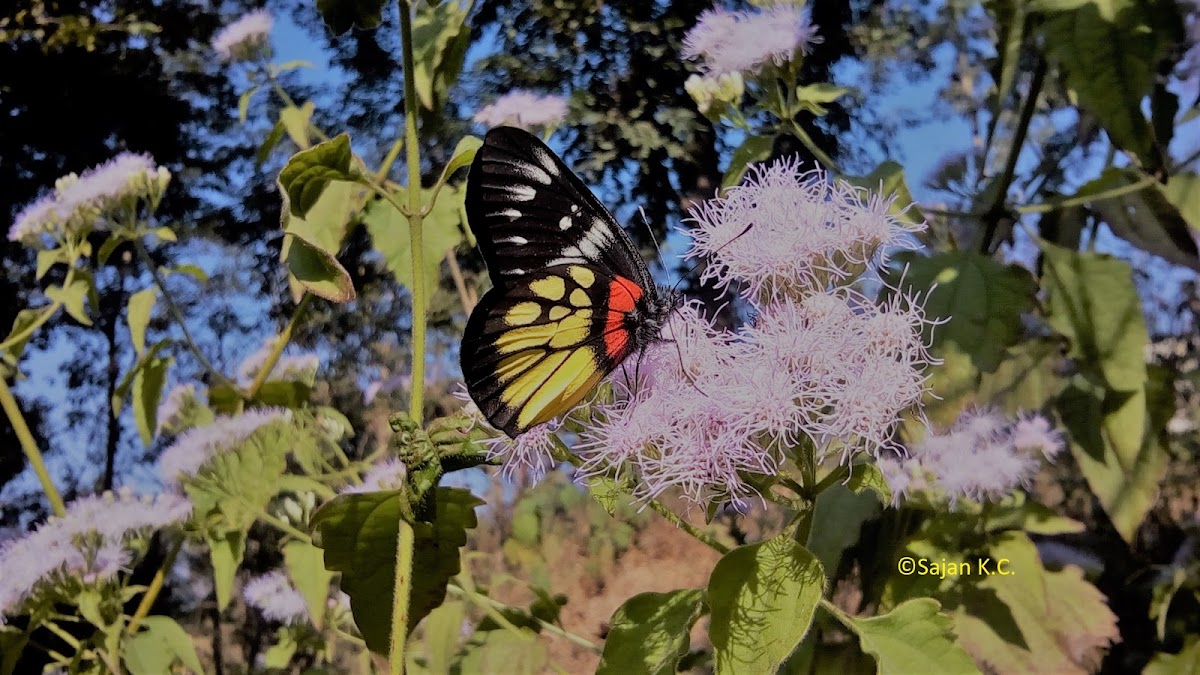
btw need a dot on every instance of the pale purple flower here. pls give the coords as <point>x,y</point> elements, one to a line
<point>387,475</point>
<point>1033,432</point>
<point>983,456</point>
<point>524,109</point>
<point>786,232</point>
<point>745,42</point>
<point>192,449</point>
<point>125,176</point>
<point>38,218</point>
<point>274,596</point>
<point>245,38</point>
<point>289,368</point>
<point>172,411</point>
<point>89,542</point>
<point>533,449</point>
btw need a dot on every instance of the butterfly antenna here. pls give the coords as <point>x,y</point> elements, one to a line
<point>717,250</point>
<point>654,240</point>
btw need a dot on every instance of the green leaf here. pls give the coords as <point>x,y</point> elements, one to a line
<point>1027,378</point>
<point>1146,218</point>
<point>836,520</point>
<point>869,477</point>
<point>762,599</point>
<point>358,533</point>
<point>888,181</point>
<point>318,271</point>
<point>1109,52</point>
<point>25,318</point>
<point>287,394</point>
<point>1029,516</point>
<point>48,258</point>
<point>193,271</point>
<point>1186,662</point>
<point>294,64</point>
<point>753,149</point>
<point>165,233</point>
<point>306,569</point>
<point>269,143</point>
<point>244,104</point>
<point>137,313</point>
<point>147,390</point>
<point>225,553</point>
<point>464,154</point>
<point>1183,191</point>
<point>310,171</point>
<point>982,300</point>
<point>122,390</point>
<point>295,122</point>
<point>74,296</point>
<point>1092,300</point>
<point>650,633</point>
<point>442,628</point>
<point>812,96</point>
<point>160,643</point>
<point>440,233</point>
<point>915,637</point>
<point>12,647</point>
<point>502,651</point>
<point>342,15</point>
<point>279,655</point>
<point>434,28</point>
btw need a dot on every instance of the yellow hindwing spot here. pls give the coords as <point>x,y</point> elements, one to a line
<point>579,298</point>
<point>583,276</point>
<point>550,288</point>
<point>523,313</point>
<point>512,366</point>
<point>558,311</point>
<point>526,337</point>
<point>571,330</point>
<point>559,393</point>
<point>527,383</point>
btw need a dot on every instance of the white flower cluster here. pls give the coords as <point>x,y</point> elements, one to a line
<point>745,42</point>
<point>192,449</point>
<point>289,368</point>
<point>245,38</point>
<point>89,543</point>
<point>85,202</point>
<point>524,109</point>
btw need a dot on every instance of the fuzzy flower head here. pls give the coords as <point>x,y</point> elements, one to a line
<point>524,109</point>
<point>89,201</point>
<point>91,543</point>
<point>532,450</point>
<point>275,596</point>
<point>179,409</point>
<point>246,38</point>
<point>745,42</point>
<point>387,475</point>
<point>289,368</point>
<point>192,449</point>
<point>984,455</point>
<point>784,232</point>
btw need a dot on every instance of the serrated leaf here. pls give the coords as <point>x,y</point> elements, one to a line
<point>650,633</point>
<point>342,15</point>
<point>306,569</point>
<point>48,258</point>
<point>308,172</point>
<point>753,149</point>
<point>434,27</point>
<point>137,314</point>
<point>73,297</point>
<point>887,180</point>
<point>1109,52</point>
<point>146,391</point>
<point>762,598</point>
<point>358,533</point>
<point>836,521</point>
<point>1146,218</point>
<point>915,637</point>
<point>160,643</point>
<point>295,123</point>
<point>981,300</point>
<point>440,233</point>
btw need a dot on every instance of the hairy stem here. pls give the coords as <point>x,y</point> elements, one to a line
<point>400,592</point>
<point>415,217</point>
<point>688,527</point>
<point>9,403</point>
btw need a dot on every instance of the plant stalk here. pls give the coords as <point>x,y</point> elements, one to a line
<point>415,218</point>
<point>9,403</point>
<point>400,592</point>
<point>153,589</point>
<point>280,343</point>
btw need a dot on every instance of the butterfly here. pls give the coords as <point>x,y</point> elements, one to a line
<point>571,297</point>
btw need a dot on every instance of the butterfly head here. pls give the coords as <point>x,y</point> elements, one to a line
<point>650,316</point>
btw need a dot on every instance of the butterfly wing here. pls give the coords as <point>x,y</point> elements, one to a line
<point>529,212</point>
<point>533,349</point>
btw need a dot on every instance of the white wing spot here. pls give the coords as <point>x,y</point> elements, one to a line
<point>574,208</point>
<point>521,193</point>
<point>589,248</point>
<point>508,213</point>
<point>564,223</point>
<point>519,241</point>
<point>536,173</point>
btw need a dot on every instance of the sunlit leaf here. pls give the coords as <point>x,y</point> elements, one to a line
<point>650,633</point>
<point>137,313</point>
<point>915,637</point>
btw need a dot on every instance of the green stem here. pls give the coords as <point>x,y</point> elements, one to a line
<point>177,314</point>
<point>486,603</point>
<point>42,318</point>
<point>385,167</point>
<point>809,143</point>
<point>9,403</point>
<point>416,401</point>
<point>837,475</point>
<point>401,588</point>
<point>153,589</point>
<point>277,350</point>
<point>1080,200</point>
<point>302,536</point>
<point>689,528</point>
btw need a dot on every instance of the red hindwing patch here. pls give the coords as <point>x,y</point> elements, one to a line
<point>623,295</point>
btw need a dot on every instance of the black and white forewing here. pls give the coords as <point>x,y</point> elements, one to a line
<point>529,211</point>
